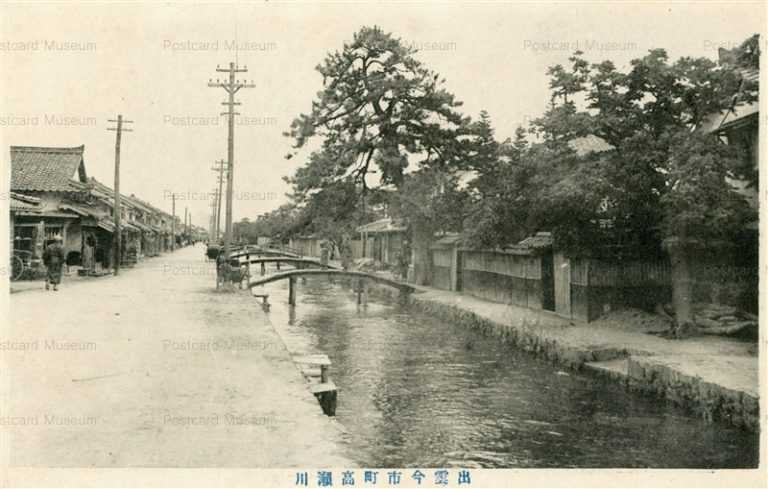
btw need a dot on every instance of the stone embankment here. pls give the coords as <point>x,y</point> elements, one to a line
<point>713,377</point>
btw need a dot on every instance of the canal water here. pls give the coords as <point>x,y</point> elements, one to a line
<point>417,391</point>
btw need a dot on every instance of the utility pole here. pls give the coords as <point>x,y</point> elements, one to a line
<point>231,86</point>
<point>186,226</point>
<point>118,233</point>
<point>220,167</point>
<point>173,222</point>
<point>212,235</point>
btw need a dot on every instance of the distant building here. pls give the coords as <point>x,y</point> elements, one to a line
<point>52,195</point>
<point>382,240</point>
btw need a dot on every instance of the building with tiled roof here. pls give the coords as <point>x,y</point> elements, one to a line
<point>43,181</point>
<point>740,124</point>
<point>47,169</point>
<point>383,239</point>
<point>149,228</point>
<point>743,112</point>
<point>53,196</point>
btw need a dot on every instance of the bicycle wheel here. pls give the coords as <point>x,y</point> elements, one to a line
<point>17,268</point>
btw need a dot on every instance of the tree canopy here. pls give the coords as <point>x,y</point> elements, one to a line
<point>379,106</point>
<point>379,111</point>
<point>625,198</point>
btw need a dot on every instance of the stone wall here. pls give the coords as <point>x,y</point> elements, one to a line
<point>644,373</point>
<point>708,400</point>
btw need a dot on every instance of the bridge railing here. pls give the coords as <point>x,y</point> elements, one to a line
<point>286,249</point>
<point>291,276</point>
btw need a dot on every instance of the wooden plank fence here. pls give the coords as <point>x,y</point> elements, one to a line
<point>502,263</point>
<point>597,273</point>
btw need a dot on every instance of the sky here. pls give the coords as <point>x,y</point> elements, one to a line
<point>66,70</point>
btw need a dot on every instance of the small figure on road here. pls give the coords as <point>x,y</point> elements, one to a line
<point>53,258</point>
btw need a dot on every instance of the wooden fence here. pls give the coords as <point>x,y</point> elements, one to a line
<point>501,276</point>
<point>599,273</point>
<point>591,286</point>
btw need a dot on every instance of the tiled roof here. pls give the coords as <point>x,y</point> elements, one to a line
<point>589,144</point>
<point>532,244</point>
<point>142,226</point>
<point>140,204</point>
<point>539,240</point>
<point>739,113</point>
<point>46,169</point>
<point>106,225</point>
<point>450,239</point>
<point>386,225</point>
<point>24,203</point>
<point>107,194</point>
<point>101,191</point>
<point>750,74</point>
<point>83,210</point>
<point>719,122</point>
<point>129,227</point>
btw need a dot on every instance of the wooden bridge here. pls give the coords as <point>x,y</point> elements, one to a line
<point>291,275</point>
<point>299,263</point>
<point>262,252</point>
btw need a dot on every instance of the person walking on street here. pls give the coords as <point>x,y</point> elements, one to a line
<point>53,258</point>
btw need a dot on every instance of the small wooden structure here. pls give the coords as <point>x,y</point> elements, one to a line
<point>315,369</point>
<point>291,275</point>
<point>297,262</point>
<point>264,301</point>
<point>261,252</point>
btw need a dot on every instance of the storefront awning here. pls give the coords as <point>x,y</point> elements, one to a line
<point>143,227</point>
<point>80,210</point>
<point>64,215</point>
<point>106,226</point>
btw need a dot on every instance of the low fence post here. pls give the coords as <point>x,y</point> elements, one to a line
<point>292,291</point>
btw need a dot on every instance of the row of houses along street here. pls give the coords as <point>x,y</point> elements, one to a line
<point>52,195</point>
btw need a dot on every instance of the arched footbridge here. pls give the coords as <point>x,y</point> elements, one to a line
<point>299,263</point>
<point>262,252</point>
<point>292,275</point>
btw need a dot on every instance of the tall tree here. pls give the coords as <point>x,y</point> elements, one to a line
<point>430,202</point>
<point>500,207</point>
<point>379,110</point>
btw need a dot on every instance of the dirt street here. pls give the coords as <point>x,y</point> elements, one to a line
<point>154,368</point>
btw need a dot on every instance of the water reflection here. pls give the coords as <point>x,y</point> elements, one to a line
<point>417,391</point>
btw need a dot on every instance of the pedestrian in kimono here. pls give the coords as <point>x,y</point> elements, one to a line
<point>53,258</point>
